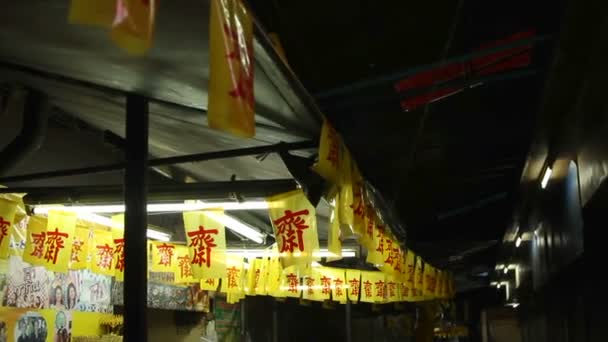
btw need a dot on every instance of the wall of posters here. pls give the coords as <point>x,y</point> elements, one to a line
<point>95,292</point>
<point>27,286</point>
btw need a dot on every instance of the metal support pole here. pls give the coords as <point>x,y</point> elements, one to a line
<point>244,319</point>
<point>136,220</point>
<point>349,323</point>
<point>275,321</point>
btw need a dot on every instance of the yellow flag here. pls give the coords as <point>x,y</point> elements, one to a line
<point>163,257</point>
<point>233,282</point>
<point>295,226</point>
<point>290,282</point>
<point>58,243</point>
<point>353,283</point>
<point>359,208</point>
<point>206,239</point>
<point>419,284</point>
<point>7,216</point>
<point>334,242</point>
<point>79,258</point>
<point>430,277</point>
<point>274,275</point>
<point>183,273</point>
<point>345,199</point>
<point>92,12</point>
<point>260,276</point>
<point>102,252</point>
<point>231,97</point>
<point>133,25</point>
<point>339,287</point>
<point>373,287</point>
<point>34,243</point>
<point>392,289</point>
<point>408,287</point>
<point>330,148</point>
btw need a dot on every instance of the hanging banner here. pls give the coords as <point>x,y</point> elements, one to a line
<point>392,289</point>
<point>339,287</point>
<point>353,283</point>
<point>92,12</point>
<point>419,284</point>
<point>290,282</point>
<point>209,284</point>
<point>260,273</point>
<point>7,216</point>
<point>58,243</point>
<point>34,243</point>
<point>430,279</point>
<point>358,206</point>
<point>133,25</point>
<point>274,275</point>
<point>345,199</point>
<point>102,250</point>
<point>295,226</point>
<point>206,242</point>
<point>408,287</point>
<point>79,258</point>
<point>184,273</point>
<point>330,148</point>
<point>334,235</point>
<point>233,282</point>
<point>318,285</point>
<point>231,96</point>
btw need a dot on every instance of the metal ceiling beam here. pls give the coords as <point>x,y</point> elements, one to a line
<point>190,158</point>
<point>158,192</point>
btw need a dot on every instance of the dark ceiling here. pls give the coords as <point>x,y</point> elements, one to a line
<point>451,169</point>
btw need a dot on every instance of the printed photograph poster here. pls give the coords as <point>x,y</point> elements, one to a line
<point>64,291</point>
<point>26,286</point>
<point>95,292</point>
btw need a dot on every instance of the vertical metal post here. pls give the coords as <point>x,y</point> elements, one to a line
<point>349,323</point>
<point>243,320</point>
<point>136,220</point>
<point>275,321</point>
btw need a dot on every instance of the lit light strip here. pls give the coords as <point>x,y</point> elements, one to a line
<point>518,241</point>
<point>156,208</point>
<point>259,253</point>
<point>150,233</point>
<point>238,226</point>
<point>546,177</point>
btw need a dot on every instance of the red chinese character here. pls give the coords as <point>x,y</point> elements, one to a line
<point>380,288</point>
<point>405,290</point>
<point>410,272</point>
<point>389,247</point>
<point>354,286</point>
<point>233,274</point>
<point>76,249</point>
<point>241,52</point>
<point>338,287</point>
<point>54,244</point>
<point>367,287</point>
<point>370,223</point>
<point>119,251</point>
<point>105,253</point>
<point>38,241</point>
<point>310,283</point>
<point>333,155</point>
<point>326,285</point>
<point>380,237</point>
<point>292,283</point>
<point>391,288</point>
<point>396,256</point>
<point>209,281</point>
<point>203,242</point>
<point>185,267</point>
<point>288,227</point>
<point>3,228</point>
<point>166,254</point>
<point>358,209</point>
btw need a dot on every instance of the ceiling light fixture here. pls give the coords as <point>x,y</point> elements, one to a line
<point>260,253</point>
<point>506,270</point>
<point>104,221</point>
<point>156,207</point>
<point>518,241</point>
<point>546,177</point>
<point>238,227</point>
